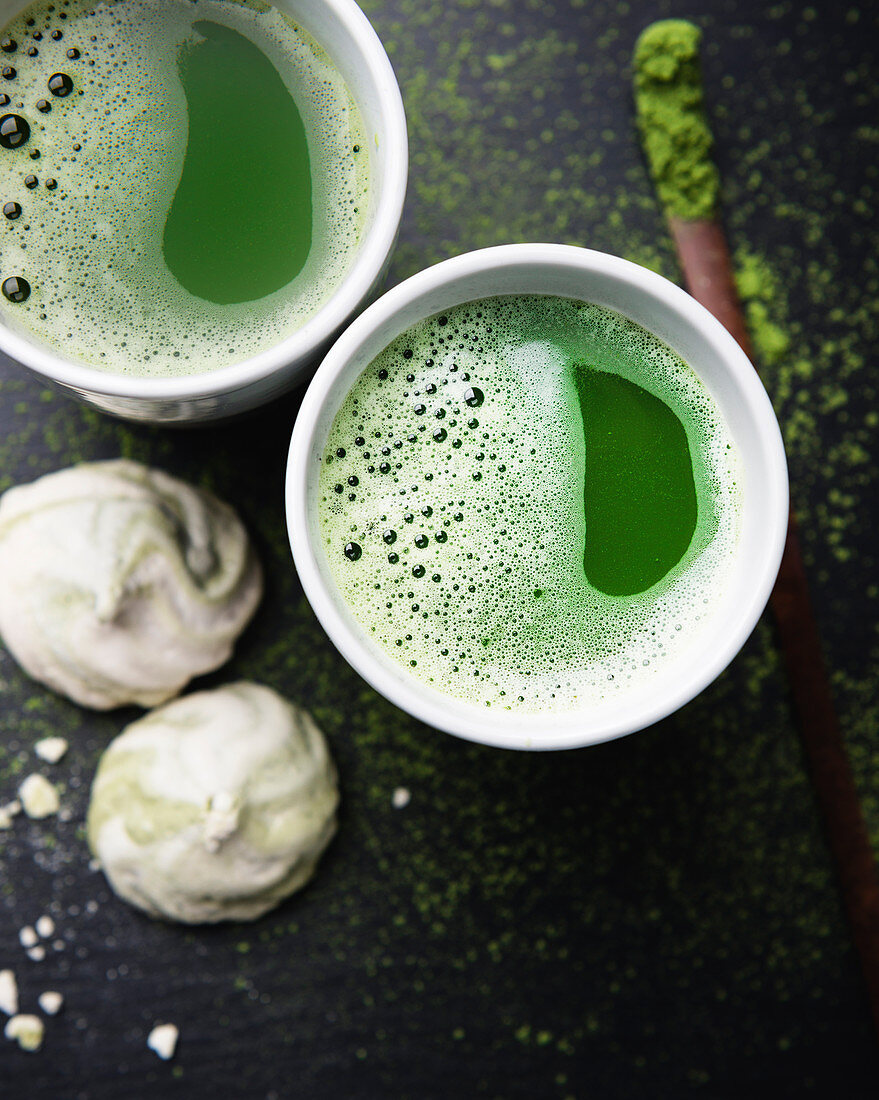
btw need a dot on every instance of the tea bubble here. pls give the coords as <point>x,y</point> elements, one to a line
<point>16,288</point>
<point>60,84</point>
<point>14,131</point>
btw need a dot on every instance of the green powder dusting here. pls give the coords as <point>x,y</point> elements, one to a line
<point>671,118</point>
<point>758,288</point>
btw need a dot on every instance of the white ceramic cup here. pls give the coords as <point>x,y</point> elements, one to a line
<point>347,36</point>
<point>684,325</point>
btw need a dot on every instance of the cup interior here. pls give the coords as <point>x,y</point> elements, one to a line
<point>680,322</point>
<point>342,29</point>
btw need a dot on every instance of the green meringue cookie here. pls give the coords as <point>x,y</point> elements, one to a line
<point>119,583</point>
<point>215,806</point>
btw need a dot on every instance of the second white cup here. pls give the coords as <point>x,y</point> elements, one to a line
<point>688,329</point>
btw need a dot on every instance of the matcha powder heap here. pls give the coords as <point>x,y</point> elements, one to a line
<point>671,118</point>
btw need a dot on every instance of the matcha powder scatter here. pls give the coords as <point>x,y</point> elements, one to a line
<point>671,118</point>
<point>758,289</point>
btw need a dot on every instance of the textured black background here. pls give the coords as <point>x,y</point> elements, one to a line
<point>655,917</point>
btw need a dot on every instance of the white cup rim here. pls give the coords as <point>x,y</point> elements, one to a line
<point>370,258</point>
<point>557,730</point>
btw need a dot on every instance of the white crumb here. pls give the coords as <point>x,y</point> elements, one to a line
<point>163,1040</point>
<point>8,993</point>
<point>27,1031</point>
<point>50,1002</point>
<point>45,926</point>
<point>51,749</point>
<point>27,937</point>
<point>37,954</point>
<point>8,812</point>
<point>401,798</point>
<point>38,796</point>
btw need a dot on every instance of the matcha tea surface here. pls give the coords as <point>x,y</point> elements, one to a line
<point>530,502</point>
<point>184,184</point>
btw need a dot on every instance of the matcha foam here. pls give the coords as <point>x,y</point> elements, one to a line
<point>89,237</point>
<point>452,511</point>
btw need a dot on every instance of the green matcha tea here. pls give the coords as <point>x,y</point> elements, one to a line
<point>183,184</point>
<point>529,502</point>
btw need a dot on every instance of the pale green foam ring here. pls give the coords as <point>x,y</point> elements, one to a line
<point>101,290</point>
<point>480,632</point>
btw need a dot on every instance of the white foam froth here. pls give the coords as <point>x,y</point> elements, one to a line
<point>91,248</point>
<point>503,614</point>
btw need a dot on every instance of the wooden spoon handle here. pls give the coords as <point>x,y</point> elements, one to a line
<point>708,274</point>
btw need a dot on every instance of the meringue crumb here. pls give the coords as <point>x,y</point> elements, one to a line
<point>37,954</point>
<point>51,749</point>
<point>39,797</point>
<point>50,1002</point>
<point>8,993</point>
<point>8,812</point>
<point>221,820</point>
<point>163,1040</point>
<point>401,798</point>
<point>45,926</point>
<point>27,937</point>
<point>27,1031</point>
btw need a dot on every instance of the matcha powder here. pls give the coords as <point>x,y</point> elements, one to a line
<point>671,118</point>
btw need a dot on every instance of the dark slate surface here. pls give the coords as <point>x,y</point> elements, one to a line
<point>655,917</point>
